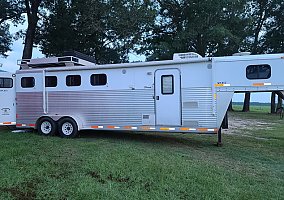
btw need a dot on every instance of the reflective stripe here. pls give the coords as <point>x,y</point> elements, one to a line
<point>261,84</point>
<point>150,128</point>
<point>222,85</point>
<point>203,129</point>
<point>7,123</point>
<point>127,127</point>
<point>167,129</point>
<point>145,127</point>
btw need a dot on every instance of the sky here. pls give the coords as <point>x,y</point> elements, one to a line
<point>10,64</point>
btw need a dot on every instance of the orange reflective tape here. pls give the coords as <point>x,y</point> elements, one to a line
<point>202,129</point>
<point>164,129</point>
<point>7,123</point>
<point>127,127</point>
<point>258,84</point>
<point>218,85</point>
<point>110,126</point>
<point>94,126</point>
<point>184,129</point>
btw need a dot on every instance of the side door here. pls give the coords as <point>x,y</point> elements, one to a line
<point>7,99</point>
<point>167,97</point>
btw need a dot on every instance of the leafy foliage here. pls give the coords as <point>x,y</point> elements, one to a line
<point>107,30</point>
<point>206,27</point>
<point>9,10</point>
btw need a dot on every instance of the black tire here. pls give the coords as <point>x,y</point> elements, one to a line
<point>46,126</point>
<point>67,128</point>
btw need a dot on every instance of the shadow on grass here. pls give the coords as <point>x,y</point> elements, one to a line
<point>192,140</point>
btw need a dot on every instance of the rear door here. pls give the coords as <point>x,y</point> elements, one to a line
<point>7,99</point>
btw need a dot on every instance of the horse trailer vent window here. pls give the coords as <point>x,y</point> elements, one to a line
<point>73,80</point>
<point>6,83</point>
<point>167,84</point>
<point>98,79</point>
<point>50,81</point>
<point>28,82</point>
<point>258,71</point>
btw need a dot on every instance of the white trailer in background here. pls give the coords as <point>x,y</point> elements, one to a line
<point>7,99</point>
<point>187,94</point>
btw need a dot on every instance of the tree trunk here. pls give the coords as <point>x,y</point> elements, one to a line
<point>246,102</point>
<point>280,102</point>
<point>32,12</point>
<point>200,47</point>
<point>231,106</point>
<point>272,107</point>
<point>29,41</point>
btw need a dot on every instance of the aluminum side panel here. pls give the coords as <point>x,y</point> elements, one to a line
<point>119,107</point>
<point>197,107</point>
<point>29,107</point>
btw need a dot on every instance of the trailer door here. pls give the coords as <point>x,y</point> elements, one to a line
<point>167,97</point>
<point>7,99</point>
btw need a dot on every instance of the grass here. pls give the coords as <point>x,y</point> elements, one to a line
<point>116,165</point>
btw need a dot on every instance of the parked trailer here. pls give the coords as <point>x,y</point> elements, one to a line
<point>7,102</point>
<point>188,94</point>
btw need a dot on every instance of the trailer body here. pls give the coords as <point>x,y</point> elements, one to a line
<point>7,99</point>
<point>179,95</point>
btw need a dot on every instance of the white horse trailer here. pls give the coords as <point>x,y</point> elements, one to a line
<point>7,99</point>
<point>186,94</point>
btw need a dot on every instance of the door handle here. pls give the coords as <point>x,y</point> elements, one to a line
<point>157,98</point>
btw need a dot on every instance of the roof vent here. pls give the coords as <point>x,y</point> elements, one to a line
<point>188,55</point>
<point>242,54</point>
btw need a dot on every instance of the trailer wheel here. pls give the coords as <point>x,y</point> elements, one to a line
<point>67,128</point>
<point>46,126</point>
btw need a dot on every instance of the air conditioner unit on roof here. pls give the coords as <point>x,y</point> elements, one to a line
<point>188,55</point>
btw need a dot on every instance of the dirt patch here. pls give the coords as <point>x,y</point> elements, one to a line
<point>238,126</point>
<point>110,177</point>
<point>25,191</point>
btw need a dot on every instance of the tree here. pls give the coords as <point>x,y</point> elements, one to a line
<point>107,30</point>
<point>31,9</point>
<point>259,12</point>
<point>9,12</point>
<point>206,27</point>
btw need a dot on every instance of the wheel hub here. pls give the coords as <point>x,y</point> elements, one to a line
<point>45,127</point>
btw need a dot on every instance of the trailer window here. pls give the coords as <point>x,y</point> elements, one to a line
<point>6,83</point>
<point>98,79</point>
<point>167,84</point>
<point>73,80</point>
<point>258,72</point>
<point>50,81</point>
<point>27,82</point>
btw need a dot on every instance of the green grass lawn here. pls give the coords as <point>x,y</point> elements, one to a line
<point>116,165</point>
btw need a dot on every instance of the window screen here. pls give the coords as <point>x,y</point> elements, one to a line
<point>98,79</point>
<point>167,84</point>
<point>73,80</point>
<point>50,81</point>
<point>28,82</point>
<point>6,83</point>
<point>258,72</point>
